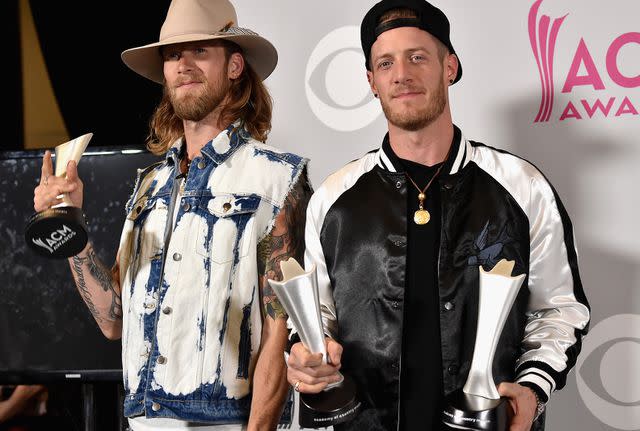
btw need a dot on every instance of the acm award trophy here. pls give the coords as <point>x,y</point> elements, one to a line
<point>60,231</point>
<point>298,293</point>
<point>478,406</point>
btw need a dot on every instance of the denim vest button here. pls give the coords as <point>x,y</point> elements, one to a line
<point>177,257</point>
<point>166,310</point>
<point>162,360</point>
<point>201,164</point>
<point>150,305</point>
<point>226,206</point>
<point>398,184</point>
<point>449,306</point>
<point>155,407</point>
<point>186,206</point>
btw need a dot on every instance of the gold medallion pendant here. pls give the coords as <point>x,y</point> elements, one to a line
<point>421,216</point>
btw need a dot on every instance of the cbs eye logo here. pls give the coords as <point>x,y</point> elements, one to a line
<point>608,371</point>
<point>336,83</point>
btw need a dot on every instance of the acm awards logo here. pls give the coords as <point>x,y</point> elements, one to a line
<point>543,35</point>
<point>56,239</point>
<point>336,85</point>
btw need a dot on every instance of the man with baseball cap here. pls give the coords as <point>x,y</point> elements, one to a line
<point>202,333</point>
<point>398,237</point>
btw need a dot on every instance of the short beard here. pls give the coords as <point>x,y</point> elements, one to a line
<point>195,107</point>
<point>420,118</point>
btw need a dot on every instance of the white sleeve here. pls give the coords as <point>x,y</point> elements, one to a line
<point>314,255</point>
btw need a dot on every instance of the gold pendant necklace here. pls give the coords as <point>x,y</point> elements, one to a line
<point>422,216</point>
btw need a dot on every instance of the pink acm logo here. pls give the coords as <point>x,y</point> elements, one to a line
<point>543,35</point>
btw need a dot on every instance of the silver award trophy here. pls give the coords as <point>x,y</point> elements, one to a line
<point>478,405</point>
<point>61,230</point>
<point>298,293</point>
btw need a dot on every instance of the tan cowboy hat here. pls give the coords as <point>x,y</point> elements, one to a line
<point>196,20</point>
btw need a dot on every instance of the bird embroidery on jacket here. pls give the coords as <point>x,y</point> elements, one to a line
<point>489,254</point>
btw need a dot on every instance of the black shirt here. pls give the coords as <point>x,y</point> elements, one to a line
<point>421,387</point>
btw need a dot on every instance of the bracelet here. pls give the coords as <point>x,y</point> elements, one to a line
<point>540,407</point>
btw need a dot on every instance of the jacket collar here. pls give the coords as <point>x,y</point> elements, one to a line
<point>219,149</point>
<point>389,161</point>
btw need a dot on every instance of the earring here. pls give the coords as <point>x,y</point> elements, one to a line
<point>451,82</point>
<point>375,95</point>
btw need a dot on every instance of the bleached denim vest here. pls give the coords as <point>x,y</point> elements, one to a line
<point>192,313</point>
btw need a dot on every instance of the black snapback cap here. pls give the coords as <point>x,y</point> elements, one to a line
<point>429,18</point>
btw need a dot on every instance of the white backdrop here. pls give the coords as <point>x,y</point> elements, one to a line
<point>590,152</point>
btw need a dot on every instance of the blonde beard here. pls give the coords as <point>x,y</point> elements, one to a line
<point>419,118</point>
<point>195,107</point>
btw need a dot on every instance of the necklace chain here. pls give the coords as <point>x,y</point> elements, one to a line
<point>421,195</point>
<point>422,216</point>
<point>183,177</point>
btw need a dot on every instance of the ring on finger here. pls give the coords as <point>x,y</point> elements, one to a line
<point>296,387</point>
<point>46,180</point>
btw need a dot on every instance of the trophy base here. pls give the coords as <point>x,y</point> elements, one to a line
<point>331,407</point>
<point>57,232</point>
<point>472,412</point>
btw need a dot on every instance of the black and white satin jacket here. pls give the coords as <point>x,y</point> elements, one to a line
<point>494,206</point>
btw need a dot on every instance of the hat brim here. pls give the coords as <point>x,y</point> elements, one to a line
<point>258,51</point>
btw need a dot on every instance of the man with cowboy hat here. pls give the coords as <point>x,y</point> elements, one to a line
<point>202,333</point>
<point>399,287</point>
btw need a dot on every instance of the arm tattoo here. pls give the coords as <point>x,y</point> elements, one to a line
<point>104,276</point>
<point>104,279</point>
<point>82,286</point>
<point>285,240</point>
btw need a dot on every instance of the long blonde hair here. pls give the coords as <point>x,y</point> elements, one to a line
<point>248,100</point>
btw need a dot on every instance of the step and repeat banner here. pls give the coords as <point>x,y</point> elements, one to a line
<point>554,81</point>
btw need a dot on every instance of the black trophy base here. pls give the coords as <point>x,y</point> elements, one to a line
<point>472,412</point>
<point>331,407</point>
<point>57,232</point>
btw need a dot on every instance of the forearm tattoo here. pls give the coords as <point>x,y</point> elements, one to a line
<point>82,286</point>
<point>286,240</point>
<point>104,278</point>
